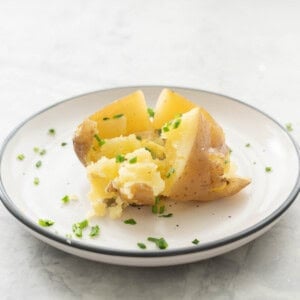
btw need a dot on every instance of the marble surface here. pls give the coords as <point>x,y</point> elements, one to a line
<point>56,49</point>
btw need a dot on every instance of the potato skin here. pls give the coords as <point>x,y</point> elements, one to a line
<point>202,178</point>
<point>83,139</point>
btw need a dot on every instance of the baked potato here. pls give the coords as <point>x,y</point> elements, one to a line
<point>131,158</point>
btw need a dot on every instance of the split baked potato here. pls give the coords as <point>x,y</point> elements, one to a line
<point>132,158</point>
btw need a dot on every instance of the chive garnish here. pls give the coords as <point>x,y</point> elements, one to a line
<point>100,141</point>
<point>118,116</point>
<point>247,145</point>
<point>63,144</point>
<point>94,231</point>
<point>226,161</point>
<point>130,221</point>
<point>65,199</point>
<point>138,137</point>
<point>133,160</point>
<point>289,127</point>
<point>36,181</point>
<point>162,209</point>
<point>176,123</point>
<point>77,227</point>
<point>154,209</point>
<point>170,172</point>
<point>38,164</point>
<point>36,149</point>
<point>51,131</point>
<point>43,152</point>
<point>105,118</point>
<point>120,158</point>
<point>268,169</point>
<point>150,112</point>
<point>141,245</point>
<point>45,222</point>
<point>21,157</point>
<point>166,216</point>
<point>165,129</point>
<point>160,242</point>
<point>195,241</point>
<point>155,206</point>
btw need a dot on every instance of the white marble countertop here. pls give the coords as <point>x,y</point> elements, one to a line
<point>52,50</point>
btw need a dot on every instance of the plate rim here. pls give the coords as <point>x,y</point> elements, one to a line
<point>9,204</point>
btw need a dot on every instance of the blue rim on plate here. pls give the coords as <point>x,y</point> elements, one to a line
<point>8,203</point>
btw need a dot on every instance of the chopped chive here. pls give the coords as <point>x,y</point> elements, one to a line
<point>165,129</point>
<point>141,245</point>
<point>21,157</point>
<point>94,231</point>
<point>36,149</point>
<point>63,144</point>
<point>83,224</point>
<point>130,221</point>
<point>178,116</point>
<point>118,116</point>
<point>77,231</point>
<point>154,209</point>
<point>43,152</point>
<point>133,160</point>
<point>268,169</point>
<point>176,123</point>
<point>160,242</point>
<point>226,161</point>
<point>138,137</point>
<point>51,131</point>
<point>77,227</point>
<point>100,141</point>
<point>45,222</point>
<point>162,209</point>
<point>166,216</point>
<point>195,241</point>
<point>170,172</point>
<point>36,181</point>
<point>105,118</point>
<point>155,206</point>
<point>120,158</point>
<point>289,127</point>
<point>38,164</point>
<point>247,145</point>
<point>150,112</point>
<point>157,199</point>
<point>65,199</point>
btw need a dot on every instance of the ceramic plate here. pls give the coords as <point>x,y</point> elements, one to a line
<point>220,226</point>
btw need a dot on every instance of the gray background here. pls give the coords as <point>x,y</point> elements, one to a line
<point>51,50</point>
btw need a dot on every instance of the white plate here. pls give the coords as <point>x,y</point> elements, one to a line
<point>220,226</point>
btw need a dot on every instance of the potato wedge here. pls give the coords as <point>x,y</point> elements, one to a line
<point>197,169</point>
<point>122,117</point>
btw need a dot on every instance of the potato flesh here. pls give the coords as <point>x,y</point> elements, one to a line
<point>113,147</point>
<point>125,182</point>
<point>133,107</point>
